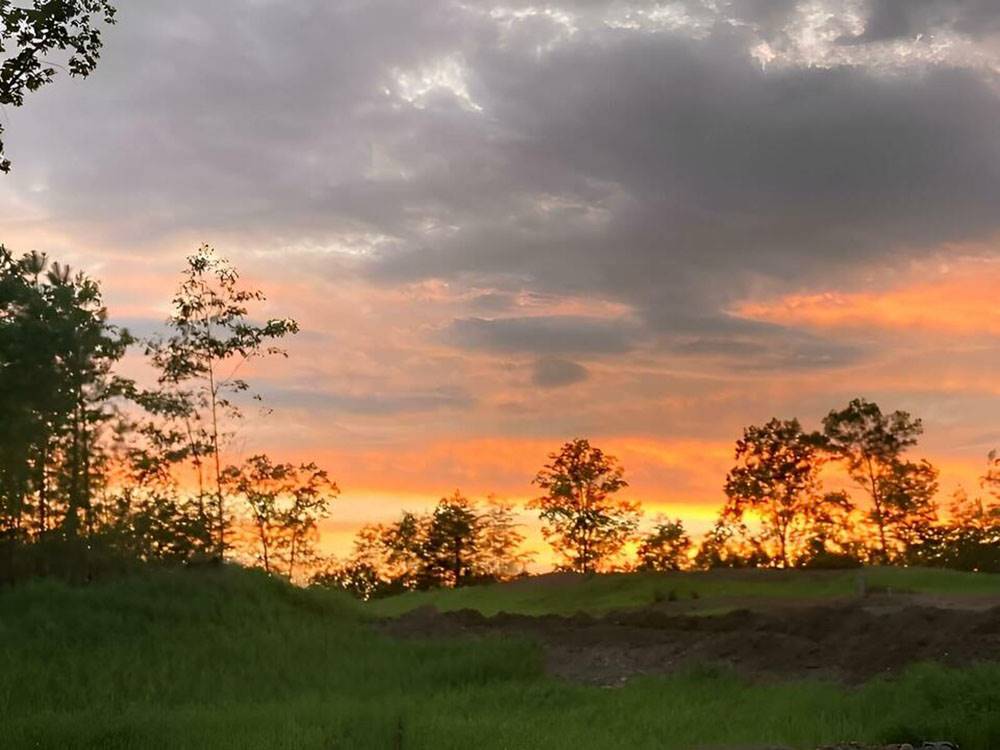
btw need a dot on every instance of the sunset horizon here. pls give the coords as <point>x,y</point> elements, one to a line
<point>501,228</point>
<point>500,374</point>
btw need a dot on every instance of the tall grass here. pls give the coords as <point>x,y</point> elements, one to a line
<point>231,659</point>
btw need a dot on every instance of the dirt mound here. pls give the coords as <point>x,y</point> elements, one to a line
<point>847,641</point>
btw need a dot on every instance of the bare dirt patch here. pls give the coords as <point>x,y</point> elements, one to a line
<point>847,640</point>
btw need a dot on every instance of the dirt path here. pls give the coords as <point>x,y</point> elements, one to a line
<point>850,640</point>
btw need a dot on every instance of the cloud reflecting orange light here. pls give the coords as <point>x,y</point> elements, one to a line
<point>669,420</point>
<point>961,302</point>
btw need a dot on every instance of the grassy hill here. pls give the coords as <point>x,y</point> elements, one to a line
<point>706,592</point>
<point>232,659</point>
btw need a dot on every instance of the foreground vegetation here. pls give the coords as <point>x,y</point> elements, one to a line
<point>223,658</point>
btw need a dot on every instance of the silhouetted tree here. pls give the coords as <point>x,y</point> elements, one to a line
<point>386,559</point>
<point>28,387</point>
<point>89,349</point>
<point>777,479</point>
<point>871,445</point>
<point>830,538</point>
<point>57,354</point>
<point>454,545</point>
<point>730,544</point>
<point>450,549</point>
<point>402,547</point>
<point>311,495</point>
<point>153,523</point>
<point>907,492</point>
<point>584,521</point>
<point>365,573</point>
<point>973,531</point>
<point>32,30</point>
<point>211,337</point>
<point>665,547</point>
<point>991,479</point>
<point>359,578</point>
<point>500,554</point>
<point>285,502</point>
<point>970,538</point>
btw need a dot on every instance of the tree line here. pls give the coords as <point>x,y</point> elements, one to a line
<point>776,514</point>
<point>98,471</point>
<point>460,542</point>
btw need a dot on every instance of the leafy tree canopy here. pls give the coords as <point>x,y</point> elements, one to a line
<point>30,32</point>
<point>584,521</point>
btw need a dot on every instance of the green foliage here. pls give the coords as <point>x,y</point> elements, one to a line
<point>215,659</point>
<point>89,461</point>
<point>30,32</point>
<point>148,524</point>
<point>584,521</point>
<point>57,388</point>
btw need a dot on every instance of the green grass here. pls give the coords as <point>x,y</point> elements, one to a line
<point>231,659</point>
<point>622,590</point>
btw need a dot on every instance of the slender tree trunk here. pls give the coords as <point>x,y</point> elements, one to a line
<point>88,506</point>
<point>783,548</point>
<point>585,554</point>
<point>196,459</point>
<point>781,527</point>
<point>71,522</point>
<point>263,545</point>
<point>219,503</point>
<point>43,487</point>
<point>879,514</point>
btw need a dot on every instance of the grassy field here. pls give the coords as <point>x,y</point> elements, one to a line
<point>567,595</point>
<point>231,659</point>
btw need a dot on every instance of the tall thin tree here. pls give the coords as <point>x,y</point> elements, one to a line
<point>211,336</point>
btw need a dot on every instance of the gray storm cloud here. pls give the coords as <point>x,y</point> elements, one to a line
<point>641,153</point>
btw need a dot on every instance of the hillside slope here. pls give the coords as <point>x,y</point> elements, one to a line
<point>231,659</point>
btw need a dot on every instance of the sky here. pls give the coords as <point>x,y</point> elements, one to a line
<point>503,226</point>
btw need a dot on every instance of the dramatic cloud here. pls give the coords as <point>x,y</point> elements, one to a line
<point>696,213</point>
<point>895,19</point>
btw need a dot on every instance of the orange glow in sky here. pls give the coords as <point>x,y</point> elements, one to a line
<point>500,229</point>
